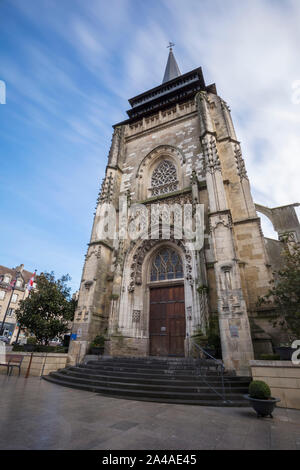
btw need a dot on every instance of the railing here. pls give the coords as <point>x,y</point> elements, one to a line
<point>205,361</point>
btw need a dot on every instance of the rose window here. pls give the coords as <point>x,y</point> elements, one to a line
<point>164,179</point>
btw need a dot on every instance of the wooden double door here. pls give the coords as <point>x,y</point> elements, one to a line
<point>167,321</point>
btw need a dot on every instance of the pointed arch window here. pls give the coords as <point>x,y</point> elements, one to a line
<point>167,264</point>
<point>164,178</point>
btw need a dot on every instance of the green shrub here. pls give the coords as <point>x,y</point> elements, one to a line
<point>42,349</point>
<point>269,357</point>
<point>61,349</point>
<point>98,342</point>
<point>31,340</point>
<point>259,389</point>
<point>199,337</point>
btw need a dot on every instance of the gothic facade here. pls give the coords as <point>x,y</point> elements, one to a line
<point>149,296</point>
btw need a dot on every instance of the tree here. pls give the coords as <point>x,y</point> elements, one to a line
<point>285,291</point>
<point>48,309</point>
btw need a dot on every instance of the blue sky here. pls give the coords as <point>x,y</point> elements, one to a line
<point>70,67</point>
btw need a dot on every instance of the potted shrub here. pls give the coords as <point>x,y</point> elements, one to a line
<point>97,346</point>
<point>260,398</point>
<point>30,344</point>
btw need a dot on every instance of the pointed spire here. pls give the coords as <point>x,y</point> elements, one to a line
<point>172,69</point>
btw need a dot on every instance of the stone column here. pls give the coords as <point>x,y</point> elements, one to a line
<point>235,334</point>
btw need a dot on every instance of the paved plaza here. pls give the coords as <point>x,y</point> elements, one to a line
<point>35,414</point>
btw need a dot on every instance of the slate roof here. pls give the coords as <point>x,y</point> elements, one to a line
<point>13,271</point>
<point>172,69</point>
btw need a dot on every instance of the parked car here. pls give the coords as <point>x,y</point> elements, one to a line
<point>5,339</point>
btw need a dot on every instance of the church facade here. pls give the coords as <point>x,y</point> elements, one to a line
<point>149,295</point>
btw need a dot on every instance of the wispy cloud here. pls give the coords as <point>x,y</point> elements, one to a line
<point>71,66</point>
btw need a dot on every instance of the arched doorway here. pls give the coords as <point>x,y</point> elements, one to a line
<point>167,329</point>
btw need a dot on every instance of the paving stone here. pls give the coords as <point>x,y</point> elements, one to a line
<point>35,414</point>
<point>124,425</point>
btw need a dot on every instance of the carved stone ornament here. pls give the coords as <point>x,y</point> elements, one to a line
<point>224,220</point>
<point>240,164</point>
<point>108,189</point>
<point>203,103</point>
<point>119,255</point>
<point>88,284</point>
<point>94,251</point>
<point>115,148</point>
<point>211,156</point>
<point>225,106</point>
<point>141,252</point>
<point>136,316</point>
<point>158,151</point>
<point>189,313</point>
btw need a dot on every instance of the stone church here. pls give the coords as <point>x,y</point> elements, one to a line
<point>149,296</point>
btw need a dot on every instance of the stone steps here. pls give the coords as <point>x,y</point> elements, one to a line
<point>159,386</point>
<point>147,370</point>
<point>147,379</point>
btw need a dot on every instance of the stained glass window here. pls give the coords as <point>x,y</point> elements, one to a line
<point>164,179</point>
<point>166,265</point>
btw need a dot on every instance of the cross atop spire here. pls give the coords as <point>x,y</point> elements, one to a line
<point>172,69</point>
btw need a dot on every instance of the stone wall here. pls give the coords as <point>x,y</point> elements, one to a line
<point>128,347</point>
<point>283,377</point>
<point>41,364</point>
<point>274,249</point>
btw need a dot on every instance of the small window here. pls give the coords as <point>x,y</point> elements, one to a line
<point>10,312</point>
<point>167,264</point>
<point>6,279</point>
<point>14,298</point>
<point>2,294</point>
<point>19,283</point>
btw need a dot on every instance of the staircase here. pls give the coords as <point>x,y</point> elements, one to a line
<point>163,380</point>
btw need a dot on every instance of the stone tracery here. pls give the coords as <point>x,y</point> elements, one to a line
<point>139,256</point>
<point>167,264</point>
<point>164,179</point>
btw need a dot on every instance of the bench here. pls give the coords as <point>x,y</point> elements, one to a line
<point>13,360</point>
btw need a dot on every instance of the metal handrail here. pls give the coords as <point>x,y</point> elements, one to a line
<point>201,353</point>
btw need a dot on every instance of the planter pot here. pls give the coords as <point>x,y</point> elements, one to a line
<point>263,407</point>
<point>29,347</point>
<point>285,353</point>
<point>97,350</point>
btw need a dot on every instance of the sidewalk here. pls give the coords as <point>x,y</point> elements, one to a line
<point>35,414</point>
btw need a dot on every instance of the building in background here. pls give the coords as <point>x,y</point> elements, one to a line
<point>13,288</point>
